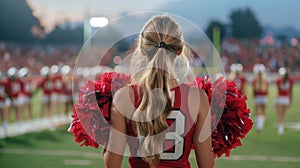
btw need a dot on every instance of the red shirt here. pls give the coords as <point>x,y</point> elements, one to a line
<point>26,85</point>
<point>2,91</point>
<point>181,128</point>
<point>259,92</point>
<point>284,89</point>
<point>13,87</point>
<point>57,84</point>
<point>47,86</point>
<point>68,87</point>
<point>240,82</point>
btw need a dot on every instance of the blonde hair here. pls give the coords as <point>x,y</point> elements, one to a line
<point>232,76</point>
<point>153,68</point>
<point>261,83</point>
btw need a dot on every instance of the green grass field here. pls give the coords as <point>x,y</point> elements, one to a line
<point>57,148</point>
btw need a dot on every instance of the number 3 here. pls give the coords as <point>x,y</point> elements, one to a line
<point>176,136</point>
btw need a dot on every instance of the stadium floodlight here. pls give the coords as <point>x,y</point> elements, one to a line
<point>98,21</point>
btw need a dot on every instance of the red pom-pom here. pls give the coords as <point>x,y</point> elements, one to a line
<point>80,135</point>
<point>90,125</point>
<point>229,108</point>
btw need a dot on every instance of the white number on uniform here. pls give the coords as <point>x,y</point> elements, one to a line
<point>48,85</point>
<point>27,87</point>
<point>58,84</point>
<point>1,91</point>
<point>285,86</point>
<point>15,87</point>
<point>176,136</point>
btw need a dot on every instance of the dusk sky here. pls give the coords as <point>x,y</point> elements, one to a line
<point>277,13</point>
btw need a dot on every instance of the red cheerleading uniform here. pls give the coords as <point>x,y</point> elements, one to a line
<point>47,86</point>
<point>2,91</point>
<point>13,87</point>
<point>284,89</point>
<point>68,89</point>
<point>57,84</point>
<point>26,87</point>
<point>240,82</point>
<point>179,138</point>
<point>257,92</point>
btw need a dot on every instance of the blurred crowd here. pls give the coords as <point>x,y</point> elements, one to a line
<point>48,70</point>
<point>249,53</point>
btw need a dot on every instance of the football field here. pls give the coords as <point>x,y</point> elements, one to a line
<point>57,149</point>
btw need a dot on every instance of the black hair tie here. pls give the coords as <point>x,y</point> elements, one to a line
<point>162,45</point>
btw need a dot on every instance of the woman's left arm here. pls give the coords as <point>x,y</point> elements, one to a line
<point>113,155</point>
<point>122,108</point>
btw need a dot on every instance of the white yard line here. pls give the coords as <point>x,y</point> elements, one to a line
<point>77,162</point>
<point>46,152</point>
<point>295,126</point>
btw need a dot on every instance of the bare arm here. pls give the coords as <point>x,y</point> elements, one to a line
<point>113,156</point>
<point>202,136</point>
<point>121,108</point>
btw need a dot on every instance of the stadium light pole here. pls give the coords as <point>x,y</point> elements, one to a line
<point>89,24</point>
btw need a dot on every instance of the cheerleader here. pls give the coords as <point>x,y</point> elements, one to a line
<point>67,85</point>
<point>157,51</point>
<point>26,91</point>
<point>57,95</point>
<point>237,76</point>
<point>284,100</point>
<point>3,113</point>
<point>159,117</point>
<point>13,90</point>
<point>47,87</point>
<point>260,91</point>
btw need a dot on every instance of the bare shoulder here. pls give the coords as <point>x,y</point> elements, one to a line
<point>197,95</point>
<point>123,102</point>
<point>197,102</point>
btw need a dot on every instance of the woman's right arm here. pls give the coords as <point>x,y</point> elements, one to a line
<point>202,136</point>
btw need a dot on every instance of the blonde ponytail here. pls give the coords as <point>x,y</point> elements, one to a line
<point>261,82</point>
<point>153,70</point>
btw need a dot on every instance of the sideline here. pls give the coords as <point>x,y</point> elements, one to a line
<point>35,125</point>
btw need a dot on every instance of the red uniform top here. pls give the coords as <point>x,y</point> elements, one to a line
<point>47,86</point>
<point>284,89</point>
<point>26,87</point>
<point>13,87</point>
<point>68,87</point>
<point>240,82</point>
<point>179,138</point>
<point>258,92</point>
<point>58,86</point>
<point>2,91</point>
